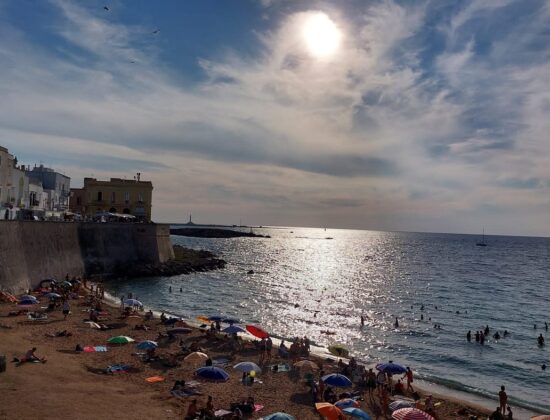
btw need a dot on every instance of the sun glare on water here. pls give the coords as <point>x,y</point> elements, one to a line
<point>321,35</point>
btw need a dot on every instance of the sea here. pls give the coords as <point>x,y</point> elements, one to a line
<point>317,283</point>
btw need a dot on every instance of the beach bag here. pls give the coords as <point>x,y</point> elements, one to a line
<point>2,363</point>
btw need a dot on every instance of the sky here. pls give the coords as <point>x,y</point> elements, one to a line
<point>417,115</point>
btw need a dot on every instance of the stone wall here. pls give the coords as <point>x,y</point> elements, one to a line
<point>32,251</point>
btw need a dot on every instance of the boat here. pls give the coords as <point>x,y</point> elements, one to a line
<point>482,243</point>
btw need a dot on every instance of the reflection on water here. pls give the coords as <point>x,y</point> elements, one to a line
<point>304,284</point>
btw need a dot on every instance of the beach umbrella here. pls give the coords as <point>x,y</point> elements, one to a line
<point>132,302</point>
<point>397,404</point>
<point>339,350</point>
<point>212,373</point>
<point>233,329</point>
<point>120,339</point>
<point>247,367</point>
<point>215,318</point>
<point>53,295</point>
<point>279,416</point>
<point>93,325</point>
<point>28,297</point>
<point>392,368</point>
<point>411,413</point>
<point>147,345</point>
<point>329,411</point>
<point>338,380</point>
<point>27,302</point>
<point>256,331</point>
<point>346,403</point>
<point>171,321</point>
<point>230,321</point>
<point>356,412</point>
<point>181,330</point>
<point>306,364</point>
<point>196,357</point>
<point>66,284</point>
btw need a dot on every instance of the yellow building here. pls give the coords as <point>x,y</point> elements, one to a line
<point>126,196</point>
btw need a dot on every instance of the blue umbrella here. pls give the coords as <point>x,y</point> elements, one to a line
<point>279,416</point>
<point>215,318</point>
<point>247,367</point>
<point>337,380</point>
<point>28,297</point>
<point>212,373</point>
<point>132,302</point>
<point>233,329</point>
<point>356,412</point>
<point>230,321</point>
<point>53,295</point>
<point>28,302</point>
<point>147,345</point>
<point>393,368</point>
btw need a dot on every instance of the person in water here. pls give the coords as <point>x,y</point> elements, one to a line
<point>540,340</point>
<point>496,336</point>
<point>477,336</point>
<point>362,321</point>
<point>469,336</point>
<point>396,324</point>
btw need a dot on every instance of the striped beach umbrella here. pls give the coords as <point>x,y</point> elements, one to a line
<point>356,412</point>
<point>411,413</point>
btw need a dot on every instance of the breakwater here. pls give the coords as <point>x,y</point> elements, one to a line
<point>31,251</point>
<point>214,233</point>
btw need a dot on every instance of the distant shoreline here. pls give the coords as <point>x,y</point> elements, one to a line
<point>200,232</point>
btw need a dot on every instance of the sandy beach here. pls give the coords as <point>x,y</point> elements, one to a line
<point>70,385</point>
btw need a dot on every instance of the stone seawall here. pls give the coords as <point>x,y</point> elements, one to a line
<point>32,251</point>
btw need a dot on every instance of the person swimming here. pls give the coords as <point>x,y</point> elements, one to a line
<point>540,340</point>
<point>396,323</point>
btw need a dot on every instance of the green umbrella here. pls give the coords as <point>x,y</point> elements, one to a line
<point>120,339</point>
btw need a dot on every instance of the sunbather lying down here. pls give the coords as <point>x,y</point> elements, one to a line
<point>63,333</point>
<point>29,357</point>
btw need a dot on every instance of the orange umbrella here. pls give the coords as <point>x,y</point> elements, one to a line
<point>329,411</point>
<point>203,319</point>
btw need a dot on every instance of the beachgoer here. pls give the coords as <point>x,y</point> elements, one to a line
<point>509,415</point>
<point>192,411</point>
<point>503,399</point>
<point>362,321</point>
<point>371,382</point>
<point>410,379</point>
<point>469,336</point>
<point>429,405</point>
<point>399,388</point>
<point>381,382</point>
<point>481,338</point>
<point>181,289</point>
<point>543,367</point>
<point>486,330</point>
<point>66,309</point>
<point>496,415</point>
<point>396,323</point>
<point>268,347</point>
<point>477,336</point>
<point>506,333</point>
<point>210,406</point>
<point>162,317</point>
<point>540,340</point>
<point>535,326</point>
<point>421,317</point>
<point>496,336</point>
<point>546,326</point>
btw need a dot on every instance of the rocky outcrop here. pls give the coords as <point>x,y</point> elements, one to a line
<point>186,261</point>
<point>214,233</point>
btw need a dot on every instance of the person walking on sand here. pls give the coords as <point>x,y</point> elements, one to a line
<point>66,308</point>
<point>410,379</point>
<point>503,399</point>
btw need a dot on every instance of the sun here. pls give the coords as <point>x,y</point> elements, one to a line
<point>321,35</point>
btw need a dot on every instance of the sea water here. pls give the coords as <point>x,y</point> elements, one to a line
<point>318,283</point>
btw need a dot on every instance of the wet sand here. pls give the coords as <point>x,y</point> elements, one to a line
<point>68,385</point>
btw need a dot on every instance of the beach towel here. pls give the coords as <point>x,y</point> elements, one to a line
<point>93,349</point>
<point>282,367</point>
<point>184,392</point>
<point>118,369</point>
<point>257,407</point>
<point>154,379</point>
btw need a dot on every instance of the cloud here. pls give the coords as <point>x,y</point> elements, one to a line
<point>421,109</point>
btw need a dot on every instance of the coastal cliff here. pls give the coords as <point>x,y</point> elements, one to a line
<point>31,251</point>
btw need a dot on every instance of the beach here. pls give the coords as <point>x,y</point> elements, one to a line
<point>69,385</point>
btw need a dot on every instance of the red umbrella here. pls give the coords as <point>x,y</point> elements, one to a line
<point>256,331</point>
<point>411,413</point>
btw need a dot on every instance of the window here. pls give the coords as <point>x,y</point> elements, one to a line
<point>99,196</point>
<point>113,197</point>
<point>78,201</point>
<point>140,198</point>
<point>127,197</point>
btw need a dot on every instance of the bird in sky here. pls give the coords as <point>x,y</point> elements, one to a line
<point>156,31</point>
<point>106,8</point>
